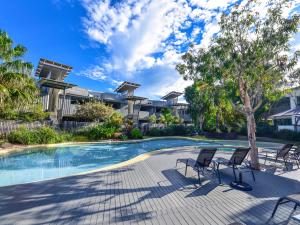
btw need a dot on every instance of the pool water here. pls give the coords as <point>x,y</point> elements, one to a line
<point>46,163</point>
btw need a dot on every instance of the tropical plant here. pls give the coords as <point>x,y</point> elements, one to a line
<point>123,137</point>
<point>94,111</point>
<point>251,55</point>
<point>136,133</point>
<point>153,119</point>
<point>167,117</point>
<point>18,90</point>
<point>101,131</point>
<point>115,120</point>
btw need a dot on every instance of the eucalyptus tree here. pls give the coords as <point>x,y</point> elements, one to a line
<point>210,107</point>
<point>252,55</point>
<point>17,87</point>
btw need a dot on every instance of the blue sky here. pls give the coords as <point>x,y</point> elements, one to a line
<point>110,41</point>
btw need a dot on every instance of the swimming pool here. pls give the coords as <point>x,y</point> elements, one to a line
<point>47,163</point>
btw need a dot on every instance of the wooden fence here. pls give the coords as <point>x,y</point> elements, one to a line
<point>73,125</point>
<point>7,126</point>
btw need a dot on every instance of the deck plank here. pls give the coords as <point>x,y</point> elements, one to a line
<point>149,192</point>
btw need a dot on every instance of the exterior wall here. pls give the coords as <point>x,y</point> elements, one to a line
<point>45,101</point>
<point>68,109</point>
<point>286,127</point>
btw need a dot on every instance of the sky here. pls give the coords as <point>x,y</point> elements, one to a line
<point>111,41</point>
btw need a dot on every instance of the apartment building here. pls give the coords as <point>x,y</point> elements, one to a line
<point>61,98</point>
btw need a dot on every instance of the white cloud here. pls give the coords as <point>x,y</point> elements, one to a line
<point>145,38</point>
<point>94,72</point>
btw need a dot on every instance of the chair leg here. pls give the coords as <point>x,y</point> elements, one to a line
<point>285,164</point>
<point>186,166</point>
<point>275,209</point>
<point>218,172</point>
<point>295,207</point>
<point>199,176</point>
<point>253,175</point>
<point>176,163</point>
<point>266,158</point>
<point>233,168</point>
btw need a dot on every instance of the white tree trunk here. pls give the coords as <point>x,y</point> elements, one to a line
<point>251,127</point>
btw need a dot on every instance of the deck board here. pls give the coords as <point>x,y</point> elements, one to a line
<point>149,192</point>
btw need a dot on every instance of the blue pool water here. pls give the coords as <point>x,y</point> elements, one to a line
<point>47,163</point>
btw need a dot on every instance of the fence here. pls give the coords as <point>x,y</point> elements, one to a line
<point>7,126</point>
<point>73,125</point>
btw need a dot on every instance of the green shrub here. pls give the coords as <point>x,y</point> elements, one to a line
<point>46,135</point>
<point>80,138</point>
<point>154,132</point>
<point>136,133</point>
<point>22,136</point>
<point>173,130</point>
<point>100,132</point>
<point>41,135</point>
<point>123,137</point>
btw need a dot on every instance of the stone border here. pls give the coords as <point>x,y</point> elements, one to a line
<point>20,148</point>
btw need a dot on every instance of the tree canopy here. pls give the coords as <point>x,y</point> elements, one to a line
<point>251,57</point>
<point>18,91</point>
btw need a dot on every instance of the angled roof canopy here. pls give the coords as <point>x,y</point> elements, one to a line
<point>287,113</point>
<point>125,86</point>
<point>55,84</point>
<point>180,104</point>
<point>171,95</point>
<point>135,98</point>
<point>52,70</point>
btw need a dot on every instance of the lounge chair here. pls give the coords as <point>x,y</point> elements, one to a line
<point>294,198</point>
<point>235,162</point>
<point>203,161</point>
<point>294,155</point>
<point>282,153</point>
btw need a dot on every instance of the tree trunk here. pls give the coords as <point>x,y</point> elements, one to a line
<point>251,127</point>
<point>200,122</point>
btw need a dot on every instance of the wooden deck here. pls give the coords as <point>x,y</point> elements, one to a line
<point>149,192</point>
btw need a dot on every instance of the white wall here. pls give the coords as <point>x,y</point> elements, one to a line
<point>285,127</point>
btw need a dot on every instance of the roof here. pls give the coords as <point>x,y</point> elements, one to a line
<point>180,104</point>
<point>125,86</point>
<point>55,84</point>
<point>171,95</point>
<point>134,98</point>
<point>54,69</point>
<point>287,113</point>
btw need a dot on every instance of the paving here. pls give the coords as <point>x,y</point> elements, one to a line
<point>153,192</point>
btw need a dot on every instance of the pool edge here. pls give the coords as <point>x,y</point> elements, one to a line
<point>20,148</point>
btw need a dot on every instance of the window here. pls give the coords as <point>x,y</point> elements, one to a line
<point>77,101</point>
<point>287,121</point>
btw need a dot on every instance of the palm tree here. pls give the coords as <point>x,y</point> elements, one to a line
<point>17,87</point>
